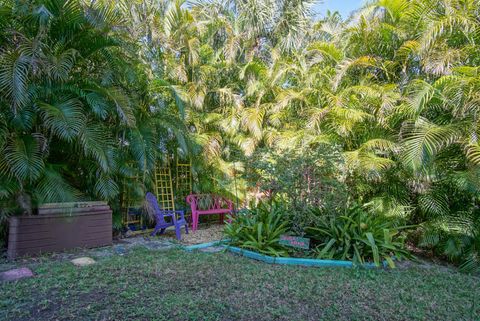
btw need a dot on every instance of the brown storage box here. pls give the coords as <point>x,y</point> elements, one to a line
<point>78,225</point>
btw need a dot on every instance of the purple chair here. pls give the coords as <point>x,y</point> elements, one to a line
<point>160,216</point>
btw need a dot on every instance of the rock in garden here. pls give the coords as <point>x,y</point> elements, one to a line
<point>16,274</point>
<point>83,261</point>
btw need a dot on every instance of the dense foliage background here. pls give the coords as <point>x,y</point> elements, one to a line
<point>92,93</point>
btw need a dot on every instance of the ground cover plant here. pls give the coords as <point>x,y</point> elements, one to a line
<point>259,229</point>
<point>176,285</point>
<point>360,237</point>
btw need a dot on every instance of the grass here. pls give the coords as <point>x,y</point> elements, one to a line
<point>176,285</point>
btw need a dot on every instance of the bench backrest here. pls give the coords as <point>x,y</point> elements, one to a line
<point>209,202</point>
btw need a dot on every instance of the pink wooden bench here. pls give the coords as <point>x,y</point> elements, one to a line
<point>207,204</point>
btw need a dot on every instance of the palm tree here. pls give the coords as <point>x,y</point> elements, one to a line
<point>71,84</point>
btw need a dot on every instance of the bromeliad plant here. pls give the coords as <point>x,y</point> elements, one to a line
<point>358,236</point>
<point>259,229</point>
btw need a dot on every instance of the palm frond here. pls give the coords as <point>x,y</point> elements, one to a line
<point>105,187</point>
<point>423,140</point>
<point>23,157</point>
<point>94,141</point>
<point>52,187</point>
<point>14,70</point>
<point>64,119</point>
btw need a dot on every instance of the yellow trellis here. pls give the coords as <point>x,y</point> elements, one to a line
<point>164,187</point>
<point>126,202</point>
<point>183,181</point>
<point>163,191</point>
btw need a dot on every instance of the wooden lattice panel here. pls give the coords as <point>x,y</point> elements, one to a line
<point>183,181</point>
<point>126,202</point>
<point>164,188</point>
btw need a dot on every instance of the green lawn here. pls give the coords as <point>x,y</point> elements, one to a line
<point>176,285</point>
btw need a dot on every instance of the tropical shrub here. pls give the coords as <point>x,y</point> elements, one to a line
<point>259,229</point>
<point>301,177</point>
<point>457,238</point>
<point>358,236</point>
